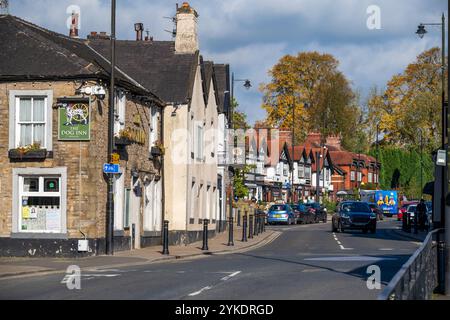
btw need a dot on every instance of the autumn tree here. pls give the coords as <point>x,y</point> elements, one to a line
<point>311,85</point>
<point>411,104</point>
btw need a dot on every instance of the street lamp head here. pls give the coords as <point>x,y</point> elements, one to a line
<point>421,31</point>
<point>247,84</point>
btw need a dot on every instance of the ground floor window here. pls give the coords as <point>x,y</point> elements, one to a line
<point>39,200</point>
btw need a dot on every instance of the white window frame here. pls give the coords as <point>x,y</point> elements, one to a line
<point>352,175</point>
<point>359,176</point>
<point>18,174</point>
<point>301,171</point>
<point>200,142</point>
<point>120,112</point>
<point>370,177</point>
<point>154,132</point>
<point>14,131</point>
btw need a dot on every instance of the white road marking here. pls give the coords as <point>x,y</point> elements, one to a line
<point>196,293</point>
<point>230,276</point>
<point>199,292</point>
<point>85,276</point>
<point>350,258</point>
<point>339,243</point>
<point>386,249</point>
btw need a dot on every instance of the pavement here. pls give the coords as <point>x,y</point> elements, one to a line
<point>20,267</point>
<point>301,262</point>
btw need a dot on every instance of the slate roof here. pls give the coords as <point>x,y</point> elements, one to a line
<point>222,72</point>
<point>30,52</point>
<point>155,65</point>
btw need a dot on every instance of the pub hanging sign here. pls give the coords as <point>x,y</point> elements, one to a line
<point>74,120</point>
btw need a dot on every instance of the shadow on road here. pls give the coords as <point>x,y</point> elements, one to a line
<point>389,265</point>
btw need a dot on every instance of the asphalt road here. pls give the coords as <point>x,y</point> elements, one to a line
<point>305,262</point>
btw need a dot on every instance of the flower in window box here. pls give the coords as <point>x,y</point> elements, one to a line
<point>32,151</point>
<point>158,149</point>
<point>123,138</point>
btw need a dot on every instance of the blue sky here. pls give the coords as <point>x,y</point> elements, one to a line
<point>252,35</point>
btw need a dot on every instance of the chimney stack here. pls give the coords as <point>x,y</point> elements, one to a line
<point>74,25</point>
<point>186,40</point>
<point>139,28</point>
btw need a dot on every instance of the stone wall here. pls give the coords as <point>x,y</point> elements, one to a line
<point>86,184</point>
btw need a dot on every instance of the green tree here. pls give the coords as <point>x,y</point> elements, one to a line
<point>411,103</point>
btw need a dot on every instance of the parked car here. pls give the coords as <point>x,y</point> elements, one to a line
<point>320,212</point>
<point>376,209</point>
<point>281,213</point>
<point>404,208</point>
<point>303,214</point>
<point>354,215</point>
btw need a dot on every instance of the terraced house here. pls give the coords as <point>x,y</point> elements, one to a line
<point>196,92</point>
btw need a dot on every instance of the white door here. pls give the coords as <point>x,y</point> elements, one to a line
<point>135,204</point>
<point>119,195</point>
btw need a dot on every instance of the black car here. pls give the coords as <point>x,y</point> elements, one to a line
<point>303,214</point>
<point>320,212</point>
<point>354,215</point>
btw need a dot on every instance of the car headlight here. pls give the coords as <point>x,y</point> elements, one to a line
<point>345,216</point>
<point>373,216</point>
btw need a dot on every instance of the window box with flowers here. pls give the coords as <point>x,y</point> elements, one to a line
<point>157,149</point>
<point>123,138</point>
<point>30,152</point>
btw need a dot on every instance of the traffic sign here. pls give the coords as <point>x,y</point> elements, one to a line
<point>111,168</point>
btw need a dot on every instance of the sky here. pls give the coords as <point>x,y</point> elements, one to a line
<point>252,35</point>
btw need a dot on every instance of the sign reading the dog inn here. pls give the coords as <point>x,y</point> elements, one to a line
<point>74,120</point>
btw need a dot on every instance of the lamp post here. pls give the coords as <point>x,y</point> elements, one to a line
<point>421,31</point>
<point>376,162</point>
<point>231,169</point>
<point>247,85</point>
<point>110,188</point>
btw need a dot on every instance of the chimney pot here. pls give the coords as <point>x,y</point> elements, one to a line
<point>73,33</point>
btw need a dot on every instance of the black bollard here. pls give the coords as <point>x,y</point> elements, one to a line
<point>244,228</point>
<point>261,222</point>
<point>264,221</point>
<point>166,238</point>
<point>230,233</point>
<point>257,224</point>
<point>404,221</point>
<point>239,217</point>
<point>408,222</point>
<point>205,234</point>
<point>250,227</point>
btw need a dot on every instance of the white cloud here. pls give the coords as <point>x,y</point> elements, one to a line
<point>252,35</point>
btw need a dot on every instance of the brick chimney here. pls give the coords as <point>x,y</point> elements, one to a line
<point>73,33</point>
<point>334,142</point>
<point>314,138</point>
<point>139,28</point>
<point>186,40</point>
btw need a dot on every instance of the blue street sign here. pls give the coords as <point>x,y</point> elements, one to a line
<point>111,168</point>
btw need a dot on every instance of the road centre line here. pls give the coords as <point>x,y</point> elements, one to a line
<point>226,278</point>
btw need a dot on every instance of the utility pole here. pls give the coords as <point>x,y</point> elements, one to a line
<point>110,199</point>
